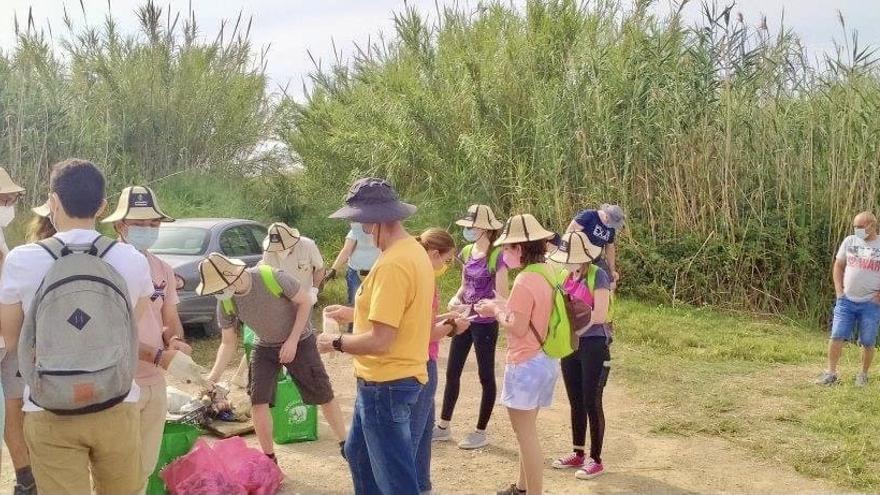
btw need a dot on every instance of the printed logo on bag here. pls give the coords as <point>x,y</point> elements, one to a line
<point>296,413</point>
<point>79,319</point>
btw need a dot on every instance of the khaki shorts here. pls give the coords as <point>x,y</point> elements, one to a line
<point>307,371</point>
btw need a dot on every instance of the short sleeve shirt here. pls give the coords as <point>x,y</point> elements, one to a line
<point>398,292</point>
<point>26,266</point>
<point>365,251</point>
<point>301,261</point>
<point>151,325</point>
<point>270,317</point>
<point>861,277</point>
<point>532,296</point>
<point>598,233</point>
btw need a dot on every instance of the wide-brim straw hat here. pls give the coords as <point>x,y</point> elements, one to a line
<point>523,228</point>
<point>42,210</point>
<point>6,184</point>
<point>137,203</point>
<point>480,217</point>
<point>373,200</point>
<point>218,272</point>
<point>281,237</point>
<point>575,248</point>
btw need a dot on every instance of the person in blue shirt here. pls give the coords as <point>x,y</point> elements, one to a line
<point>601,228</point>
<point>359,253</point>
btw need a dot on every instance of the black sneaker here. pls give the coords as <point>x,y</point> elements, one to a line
<point>25,490</point>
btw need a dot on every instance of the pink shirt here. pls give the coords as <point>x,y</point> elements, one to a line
<point>150,326</point>
<point>434,347</point>
<point>532,296</point>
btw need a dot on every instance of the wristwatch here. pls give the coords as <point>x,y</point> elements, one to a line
<point>337,344</point>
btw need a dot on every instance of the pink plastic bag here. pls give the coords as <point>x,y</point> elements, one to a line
<point>249,467</point>
<point>228,467</point>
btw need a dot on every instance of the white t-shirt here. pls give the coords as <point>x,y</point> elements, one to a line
<point>26,266</point>
<point>301,261</point>
<point>365,251</point>
<point>861,278</point>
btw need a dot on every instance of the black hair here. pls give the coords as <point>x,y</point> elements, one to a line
<point>79,185</point>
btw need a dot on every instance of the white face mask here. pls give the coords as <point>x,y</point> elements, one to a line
<point>470,235</point>
<point>226,294</point>
<point>861,233</point>
<point>142,238</point>
<point>7,215</point>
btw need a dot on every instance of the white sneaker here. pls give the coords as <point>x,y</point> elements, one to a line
<point>441,434</point>
<point>476,440</point>
<point>862,380</point>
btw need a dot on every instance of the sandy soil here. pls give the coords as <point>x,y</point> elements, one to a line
<point>635,459</point>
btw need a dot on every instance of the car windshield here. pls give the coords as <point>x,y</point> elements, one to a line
<point>181,240</point>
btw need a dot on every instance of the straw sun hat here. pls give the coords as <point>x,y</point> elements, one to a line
<point>523,228</point>
<point>218,272</point>
<point>575,248</point>
<point>6,184</point>
<point>480,217</point>
<point>137,203</point>
<point>281,238</point>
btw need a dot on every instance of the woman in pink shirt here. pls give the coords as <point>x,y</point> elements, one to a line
<point>530,375</point>
<point>441,250</point>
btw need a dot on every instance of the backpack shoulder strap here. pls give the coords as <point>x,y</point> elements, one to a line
<point>103,245</point>
<point>267,274</point>
<point>54,246</point>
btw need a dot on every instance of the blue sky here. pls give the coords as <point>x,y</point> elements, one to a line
<point>293,27</point>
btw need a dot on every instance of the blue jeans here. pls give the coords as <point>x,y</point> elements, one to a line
<point>848,315</point>
<point>380,449</point>
<point>423,428</point>
<point>353,281</point>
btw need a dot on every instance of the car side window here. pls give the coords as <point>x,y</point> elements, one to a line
<point>238,241</point>
<point>259,233</point>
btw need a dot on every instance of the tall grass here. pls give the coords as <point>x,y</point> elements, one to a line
<point>740,163</point>
<point>143,105</point>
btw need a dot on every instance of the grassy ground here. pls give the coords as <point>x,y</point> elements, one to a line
<point>749,381</point>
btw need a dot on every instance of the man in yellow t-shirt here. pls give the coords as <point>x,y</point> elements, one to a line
<point>392,322</point>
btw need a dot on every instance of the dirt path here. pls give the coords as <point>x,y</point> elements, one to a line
<point>636,460</point>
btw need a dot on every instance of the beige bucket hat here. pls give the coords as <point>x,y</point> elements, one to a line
<point>575,248</point>
<point>137,203</point>
<point>281,237</point>
<point>42,210</point>
<point>523,228</point>
<point>480,217</point>
<point>6,184</point>
<point>218,272</point>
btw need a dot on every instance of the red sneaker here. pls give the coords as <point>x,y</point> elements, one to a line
<point>571,461</point>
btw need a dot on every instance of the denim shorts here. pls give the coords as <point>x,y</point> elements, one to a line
<point>850,316</point>
<point>529,385</point>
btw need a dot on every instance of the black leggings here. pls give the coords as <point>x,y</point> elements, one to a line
<point>483,336</point>
<point>585,376</point>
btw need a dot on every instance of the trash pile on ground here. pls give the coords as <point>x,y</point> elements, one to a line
<point>210,405</point>
<point>226,467</point>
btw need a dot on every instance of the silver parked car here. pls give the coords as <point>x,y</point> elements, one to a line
<point>186,242</point>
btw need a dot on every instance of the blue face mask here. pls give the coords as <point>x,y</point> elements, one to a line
<point>142,238</point>
<point>470,235</point>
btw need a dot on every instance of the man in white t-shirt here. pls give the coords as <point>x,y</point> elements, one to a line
<point>66,449</point>
<point>285,249</point>
<point>856,274</point>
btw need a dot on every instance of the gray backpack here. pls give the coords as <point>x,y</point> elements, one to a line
<point>78,347</point>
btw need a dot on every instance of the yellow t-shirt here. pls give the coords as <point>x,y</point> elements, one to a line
<point>398,292</point>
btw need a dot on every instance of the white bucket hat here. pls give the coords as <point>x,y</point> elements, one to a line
<point>6,184</point>
<point>218,272</point>
<point>575,248</point>
<point>137,203</point>
<point>480,217</point>
<point>281,237</point>
<point>523,228</point>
